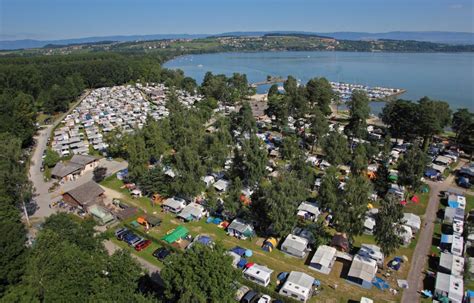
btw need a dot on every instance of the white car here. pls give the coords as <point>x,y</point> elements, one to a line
<point>265,299</point>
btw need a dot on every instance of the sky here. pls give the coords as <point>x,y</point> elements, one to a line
<point>61,19</point>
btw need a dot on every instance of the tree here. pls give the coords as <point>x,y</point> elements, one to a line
<point>51,158</point>
<point>250,161</point>
<point>276,204</point>
<point>434,116</point>
<point>462,121</point>
<point>320,94</point>
<point>359,111</point>
<point>401,117</point>
<point>388,222</point>
<point>318,126</point>
<point>411,168</point>
<point>79,267</point>
<point>290,147</point>
<point>189,171</point>
<point>232,203</point>
<point>328,191</point>
<point>278,107</point>
<point>155,181</point>
<point>18,116</point>
<point>336,148</point>
<point>273,91</point>
<point>349,214</point>
<point>381,182</point>
<point>359,160</point>
<point>201,274</point>
<point>99,173</point>
<point>244,121</point>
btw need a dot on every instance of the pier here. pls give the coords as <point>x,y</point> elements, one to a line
<point>271,80</point>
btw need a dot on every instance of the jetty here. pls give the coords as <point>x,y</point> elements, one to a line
<point>270,80</point>
<point>376,93</point>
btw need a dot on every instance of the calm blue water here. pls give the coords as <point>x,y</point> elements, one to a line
<point>448,77</point>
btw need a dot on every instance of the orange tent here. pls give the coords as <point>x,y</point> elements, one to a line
<point>141,220</point>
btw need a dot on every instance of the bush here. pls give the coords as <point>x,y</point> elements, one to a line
<point>51,158</point>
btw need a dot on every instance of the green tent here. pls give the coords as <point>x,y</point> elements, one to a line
<point>178,233</point>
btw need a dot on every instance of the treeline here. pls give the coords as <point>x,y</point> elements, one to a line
<point>49,83</point>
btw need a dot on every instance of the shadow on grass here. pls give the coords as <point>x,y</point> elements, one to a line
<point>433,262</point>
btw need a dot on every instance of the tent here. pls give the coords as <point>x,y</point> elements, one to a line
<point>242,263</point>
<point>176,234</point>
<point>380,284</point>
<point>415,199</point>
<point>239,250</point>
<point>282,276</point>
<point>269,244</point>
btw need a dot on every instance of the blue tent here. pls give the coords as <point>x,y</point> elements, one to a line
<point>282,276</point>
<point>204,240</point>
<point>431,173</point>
<point>239,250</point>
<point>453,204</point>
<point>445,238</point>
<point>242,263</point>
<point>470,294</point>
<point>380,284</point>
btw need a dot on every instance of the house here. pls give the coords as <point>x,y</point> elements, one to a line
<point>66,171</point>
<point>240,229</point>
<point>323,259</point>
<point>258,274</point>
<point>373,252</point>
<point>340,242</point>
<point>174,205</point>
<point>451,264</point>
<point>308,211</point>
<point>362,271</point>
<point>413,221</point>
<point>77,166</point>
<point>192,212</point>
<point>295,246</point>
<point>449,286</point>
<point>298,286</point>
<point>84,195</point>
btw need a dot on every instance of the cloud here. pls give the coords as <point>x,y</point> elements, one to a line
<point>456,6</point>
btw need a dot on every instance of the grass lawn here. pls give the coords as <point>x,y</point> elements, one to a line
<point>276,260</point>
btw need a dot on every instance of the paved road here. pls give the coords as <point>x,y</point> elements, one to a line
<point>423,246</point>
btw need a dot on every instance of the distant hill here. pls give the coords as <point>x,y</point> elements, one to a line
<point>437,37</point>
<point>29,43</point>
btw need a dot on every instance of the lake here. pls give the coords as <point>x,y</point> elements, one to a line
<point>441,76</point>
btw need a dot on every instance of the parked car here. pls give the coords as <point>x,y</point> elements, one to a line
<point>120,231</point>
<point>142,245</point>
<point>265,299</point>
<point>239,294</point>
<point>161,253</point>
<point>250,297</point>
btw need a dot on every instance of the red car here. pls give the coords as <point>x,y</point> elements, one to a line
<point>142,245</point>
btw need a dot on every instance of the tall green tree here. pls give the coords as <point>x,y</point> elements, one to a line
<point>401,118</point>
<point>336,148</point>
<point>350,212</point>
<point>388,222</point>
<point>18,115</point>
<point>189,171</point>
<point>319,126</point>
<point>243,121</point>
<point>434,116</point>
<point>320,94</point>
<point>359,160</point>
<point>201,274</point>
<point>250,161</point>
<point>359,111</point>
<point>411,168</point>
<point>328,192</point>
<point>276,204</point>
<point>463,119</point>
<point>232,203</point>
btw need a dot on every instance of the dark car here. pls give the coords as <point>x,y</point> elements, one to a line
<point>121,236</point>
<point>250,297</point>
<point>161,253</point>
<point>142,245</point>
<point>120,231</point>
